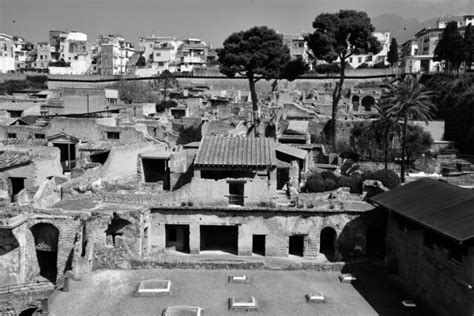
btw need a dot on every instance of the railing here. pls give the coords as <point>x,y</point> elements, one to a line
<point>12,221</point>
<point>236,199</point>
<point>31,286</point>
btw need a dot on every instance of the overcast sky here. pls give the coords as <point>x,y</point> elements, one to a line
<point>209,20</point>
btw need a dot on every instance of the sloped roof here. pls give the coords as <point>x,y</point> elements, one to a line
<point>292,151</point>
<point>221,151</point>
<point>443,207</point>
<point>9,160</point>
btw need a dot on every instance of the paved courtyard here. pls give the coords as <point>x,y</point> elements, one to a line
<point>109,292</point>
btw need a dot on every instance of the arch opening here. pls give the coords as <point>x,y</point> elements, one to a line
<point>368,102</point>
<point>46,244</point>
<point>328,242</point>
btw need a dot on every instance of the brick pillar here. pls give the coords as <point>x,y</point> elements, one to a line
<point>157,237</point>
<point>194,239</point>
<point>244,244</point>
<point>311,246</point>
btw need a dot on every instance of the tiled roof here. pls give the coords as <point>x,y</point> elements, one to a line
<point>9,160</point>
<point>442,207</point>
<point>236,151</point>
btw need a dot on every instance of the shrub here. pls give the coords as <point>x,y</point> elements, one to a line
<point>329,175</point>
<point>330,184</point>
<point>363,66</point>
<point>352,182</point>
<point>389,178</point>
<point>327,68</point>
<point>163,105</point>
<point>380,65</point>
<point>315,183</point>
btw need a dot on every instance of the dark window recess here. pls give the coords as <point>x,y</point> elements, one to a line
<point>15,113</point>
<point>236,193</point>
<point>224,174</point>
<point>113,135</point>
<point>429,239</point>
<point>40,136</point>
<point>11,135</point>
<point>456,252</point>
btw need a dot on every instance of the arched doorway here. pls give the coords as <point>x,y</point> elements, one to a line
<point>327,242</point>
<point>355,102</point>
<point>368,102</point>
<point>46,244</point>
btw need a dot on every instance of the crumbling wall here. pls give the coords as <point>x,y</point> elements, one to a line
<point>276,225</point>
<point>18,263</point>
<point>122,161</point>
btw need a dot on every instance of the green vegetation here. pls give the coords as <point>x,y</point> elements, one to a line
<point>328,181</point>
<point>392,56</point>
<point>31,82</point>
<point>135,92</point>
<point>450,48</point>
<point>341,35</point>
<point>258,53</point>
<point>408,100</point>
<point>454,100</point>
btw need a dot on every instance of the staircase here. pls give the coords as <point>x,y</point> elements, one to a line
<point>282,199</point>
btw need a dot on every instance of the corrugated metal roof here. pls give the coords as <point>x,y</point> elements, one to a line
<point>443,207</point>
<point>9,160</point>
<point>221,151</point>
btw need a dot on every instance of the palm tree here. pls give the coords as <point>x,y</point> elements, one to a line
<point>409,100</point>
<point>387,123</point>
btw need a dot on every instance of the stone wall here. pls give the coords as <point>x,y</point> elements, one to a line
<point>438,281</point>
<point>25,171</point>
<point>69,235</point>
<point>18,263</point>
<point>276,224</point>
<point>258,190</point>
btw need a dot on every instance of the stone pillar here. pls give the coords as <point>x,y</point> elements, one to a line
<point>244,245</point>
<point>311,246</point>
<point>157,237</point>
<point>194,239</point>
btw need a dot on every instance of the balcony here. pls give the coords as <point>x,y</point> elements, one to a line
<point>12,222</point>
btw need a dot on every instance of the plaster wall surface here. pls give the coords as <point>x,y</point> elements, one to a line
<point>276,225</point>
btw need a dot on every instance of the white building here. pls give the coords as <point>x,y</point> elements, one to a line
<point>160,52</point>
<point>110,55</point>
<point>70,52</point>
<point>7,53</point>
<point>418,52</point>
<point>370,59</point>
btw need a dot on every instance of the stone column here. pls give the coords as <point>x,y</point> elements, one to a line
<point>244,245</point>
<point>194,239</point>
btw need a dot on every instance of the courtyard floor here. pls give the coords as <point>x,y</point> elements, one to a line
<point>110,292</point>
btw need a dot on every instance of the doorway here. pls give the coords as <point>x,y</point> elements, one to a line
<point>328,242</point>
<point>68,155</point>
<point>99,157</point>
<point>283,175</point>
<point>177,237</point>
<point>18,184</point>
<point>156,170</point>
<point>296,245</point>
<point>258,245</point>
<point>46,238</point>
<point>375,242</point>
<point>221,238</point>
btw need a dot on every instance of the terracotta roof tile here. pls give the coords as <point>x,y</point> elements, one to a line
<point>236,151</point>
<point>9,160</point>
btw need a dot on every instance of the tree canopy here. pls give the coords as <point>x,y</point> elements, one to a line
<point>392,56</point>
<point>409,100</point>
<point>339,36</point>
<point>450,48</point>
<point>258,53</point>
<point>468,46</point>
